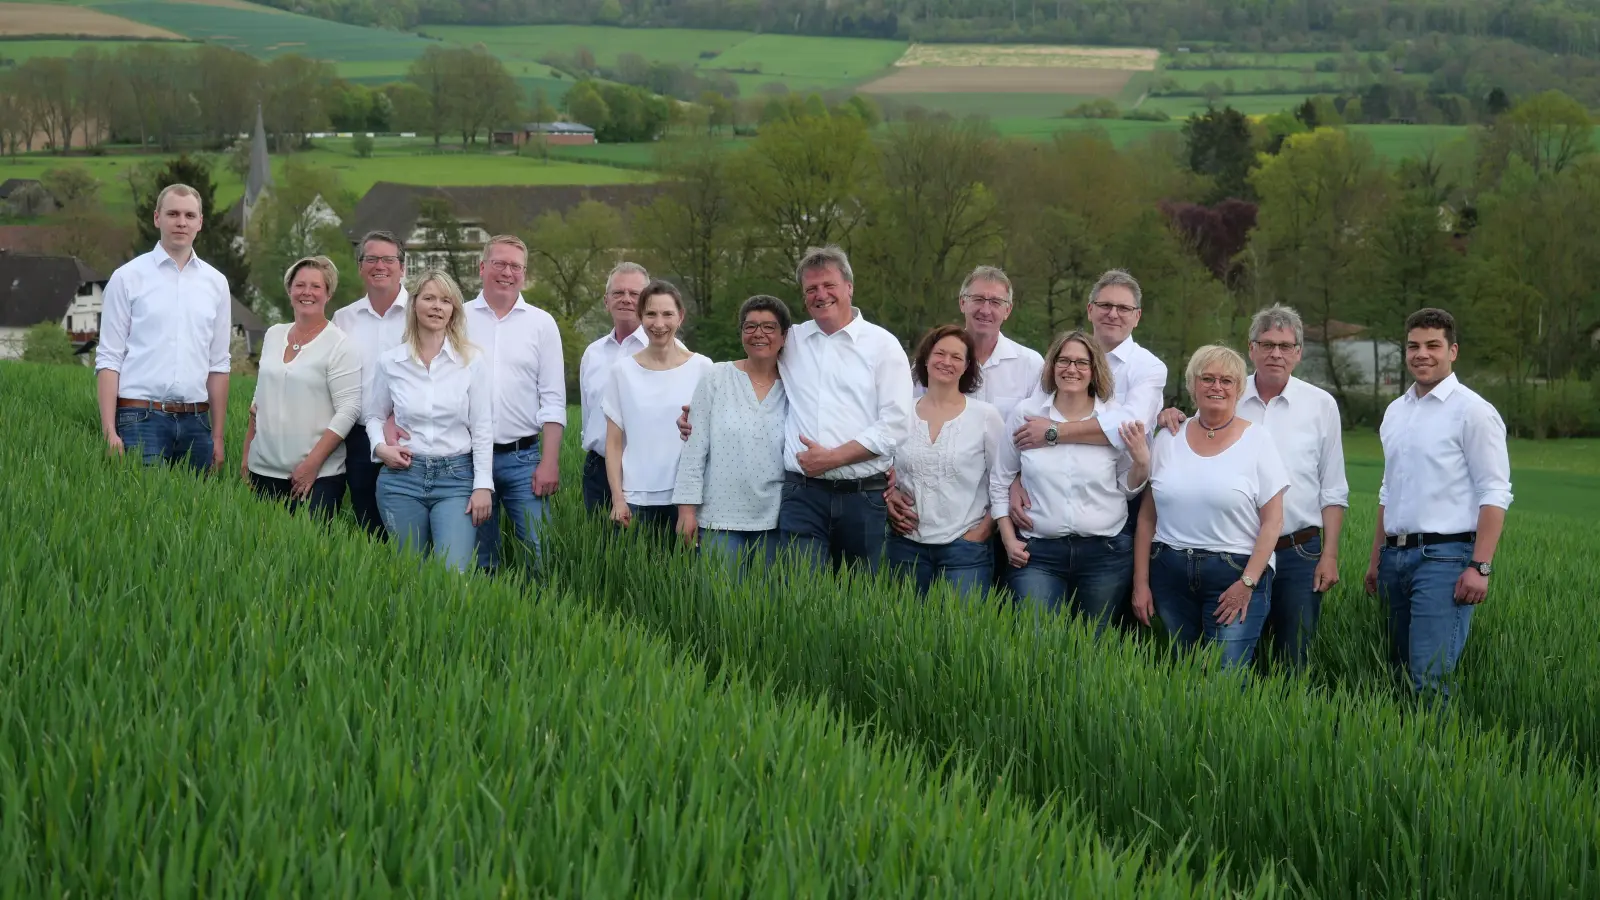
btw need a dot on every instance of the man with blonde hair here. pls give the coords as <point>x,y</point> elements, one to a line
<point>163,361</point>
<point>522,347</point>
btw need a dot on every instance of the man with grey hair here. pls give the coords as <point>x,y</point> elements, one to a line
<point>1303,421</point>
<point>376,323</point>
<point>625,338</point>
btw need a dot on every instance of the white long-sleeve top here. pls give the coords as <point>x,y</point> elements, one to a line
<point>296,401</point>
<point>852,385</point>
<point>645,404</point>
<point>1304,423</point>
<point>447,407</point>
<point>732,464</point>
<point>523,352</point>
<point>1444,456</point>
<point>165,330</point>
<point>594,373</point>
<point>1075,489</point>
<point>948,477</point>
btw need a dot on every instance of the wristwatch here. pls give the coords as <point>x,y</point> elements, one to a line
<point>1050,436</point>
<point>1248,581</point>
<point>1483,568</point>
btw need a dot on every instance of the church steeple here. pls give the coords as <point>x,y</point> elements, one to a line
<point>260,177</point>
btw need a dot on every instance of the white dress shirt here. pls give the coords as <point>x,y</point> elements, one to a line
<point>852,385</point>
<point>371,334</point>
<point>594,373</point>
<point>523,351</point>
<point>1214,502</point>
<point>447,407</point>
<point>1076,489</point>
<point>645,404</point>
<point>297,401</point>
<point>164,330</point>
<point>1304,423</point>
<point>1140,384</point>
<point>1010,375</point>
<point>948,478</point>
<point>1444,456</point>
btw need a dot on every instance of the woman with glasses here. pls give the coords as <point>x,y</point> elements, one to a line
<point>730,475</point>
<point>1203,549</point>
<point>1074,550</point>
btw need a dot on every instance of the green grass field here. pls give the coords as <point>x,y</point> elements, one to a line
<point>19,52</point>
<point>265,32</point>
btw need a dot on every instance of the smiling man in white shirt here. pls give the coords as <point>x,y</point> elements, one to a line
<point>522,348</point>
<point>374,324</point>
<point>1441,506</point>
<point>849,388</point>
<point>163,361</point>
<point>1010,370</point>
<point>625,338</point>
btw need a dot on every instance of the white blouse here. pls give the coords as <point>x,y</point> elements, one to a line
<point>948,478</point>
<point>732,465</point>
<point>1214,502</point>
<point>296,401</point>
<point>447,407</point>
<point>1075,489</point>
<point>645,404</point>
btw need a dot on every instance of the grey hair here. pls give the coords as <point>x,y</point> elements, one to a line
<point>987,273</point>
<point>625,268</point>
<point>1277,316</point>
<point>822,257</point>
<point>1121,278</point>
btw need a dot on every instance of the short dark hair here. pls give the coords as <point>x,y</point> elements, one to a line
<point>656,288</point>
<point>766,303</point>
<point>1430,317</point>
<point>380,235</point>
<point>971,378</point>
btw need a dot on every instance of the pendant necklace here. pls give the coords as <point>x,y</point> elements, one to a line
<point>1212,432</point>
<point>298,345</point>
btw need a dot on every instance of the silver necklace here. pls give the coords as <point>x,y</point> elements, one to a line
<point>296,345</point>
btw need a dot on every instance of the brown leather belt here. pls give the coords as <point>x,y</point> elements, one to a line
<point>1303,536</point>
<point>163,405</point>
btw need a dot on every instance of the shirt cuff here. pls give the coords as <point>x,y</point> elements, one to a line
<point>1502,499</point>
<point>555,414</point>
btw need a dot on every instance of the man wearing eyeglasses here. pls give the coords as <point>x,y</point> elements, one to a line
<point>522,347</point>
<point>1303,421</point>
<point>625,338</point>
<point>374,324</point>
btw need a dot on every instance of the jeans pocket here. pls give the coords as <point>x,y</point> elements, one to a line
<point>132,416</point>
<point>1120,543</point>
<point>529,457</point>
<point>1233,564</point>
<point>1301,551</point>
<point>1454,552</point>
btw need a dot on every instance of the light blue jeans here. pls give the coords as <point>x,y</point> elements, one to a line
<point>425,506</point>
<point>1427,627</point>
<point>513,489</point>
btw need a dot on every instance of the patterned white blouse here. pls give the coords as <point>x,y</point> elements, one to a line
<point>732,464</point>
<point>948,478</point>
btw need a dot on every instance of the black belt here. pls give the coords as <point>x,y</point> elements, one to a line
<point>879,483</point>
<point>1428,537</point>
<point>1298,538</point>
<point>526,443</point>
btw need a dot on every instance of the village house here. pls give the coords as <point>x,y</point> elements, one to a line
<point>556,134</point>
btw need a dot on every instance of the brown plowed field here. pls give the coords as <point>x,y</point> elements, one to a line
<point>22,19</point>
<point>1000,80</point>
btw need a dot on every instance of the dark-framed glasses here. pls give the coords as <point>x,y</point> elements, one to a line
<point>1069,362</point>
<point>1120,309</point>
<point>1280,346</point>
<point>767,328</point>
<point>386,260</point>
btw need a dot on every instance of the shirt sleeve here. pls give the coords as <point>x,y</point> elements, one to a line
<point>116,319</point>
<point>893,375</point>
<point>376,404</point>
<point>1142,403</point>
<point>222,330</point>
<point>1483,437</point>
<point>1007,463</point>
<point>552,375</point>
<point>994,437</point>
<point>480,410</point>
<point>611,401</point>
<point>1272,477</point>
<point>1335,487</point>
<point>344,386</point>
<point>689,488</point>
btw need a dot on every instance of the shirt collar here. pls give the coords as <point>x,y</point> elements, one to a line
<point>1004,348</point>
<point>1048,407</point>
<point>450,350</point>
<point>482,302</point>
<point>400,301</point>
<point>1124,350</point>
<point>161,257</point>
<point>1290,390</point>
<point>1441,391</point>
<point>852,327</point>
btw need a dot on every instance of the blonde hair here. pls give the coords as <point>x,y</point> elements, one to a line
<point>1101,387</point>
<point>181,190</point>
<point>510,240</point>
<point>1227,358</point>
<point>455,331</point>
<point>330,272</point>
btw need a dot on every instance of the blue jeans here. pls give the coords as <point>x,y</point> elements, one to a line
<point>967,565</point>
<point>166,437</point>
<point>1427,627</point>
<point>1186,585</point>
<point>1296,605</point>
<point>1094,573</point>
<point>426,506</point>
<point>361,475</point>
<point>825,527</point>
<point>513,489</point>
<point>326,492</point>
<point>761,545</point>
<point>596,489</point>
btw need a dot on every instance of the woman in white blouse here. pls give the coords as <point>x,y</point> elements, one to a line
<point>944,466</point>
<point>641,405</point>
<point>1203,549</point>
<point>435,489</point>
<point>307,398</point>
<point>730,473</point>
<point>1075,549</point>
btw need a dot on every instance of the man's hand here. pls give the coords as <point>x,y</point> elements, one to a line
<point>1471,588</point>
<point>1030,434</point>
<point>1372,578</point>
<point>688,526</point>
<point>219,454</point>
<point>114,443</point>
<point>301,480</point>
<point>1233,604</point>
<point>684,428</point>
<point>1020,504</point>
<point>902,510</point>
<point>393,433</point>
<point>1171,419</point>
<point>815,459</point>
<point>546,477</point>
<point>1327,573</point>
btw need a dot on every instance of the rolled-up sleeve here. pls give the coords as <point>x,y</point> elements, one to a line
<point>689,489</point>
<point>552,376</point>
<point>116,319</point>
<point>1488,461</point>
<point>892,373</point>
<point>1142,403</point>
<point>1007,463</point>
<point>222,329</point>
<point>480,409</point>
<point>344,386</point>
<point>376,404</point>
<point>1334,487</point>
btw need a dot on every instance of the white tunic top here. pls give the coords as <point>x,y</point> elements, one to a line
<point>645,404</point>
<point>1304,424</point>
<point>523,351</point>
<point>296,401</point>
<point>1214,502</point>
<point>1075,489</point>
<point>852,385</point>
<point>948,478</point>
<point>1444,456</point>
<point>446,407</point>
<point>732,464</point>
<point>165,330</point>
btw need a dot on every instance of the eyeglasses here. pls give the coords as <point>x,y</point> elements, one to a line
<point>1118,308</point>
<point>1281,347</point>
<point>386,260</point>
<point>619,293</point>
<point>1226,381</point>
<point>767,328</point>
<point>501,265</point>
<point>1065,362</point>
<point>991,302</point>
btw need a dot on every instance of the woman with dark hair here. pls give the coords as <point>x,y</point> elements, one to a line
<point>730,474</point>
<point>641,405</point>
<point>944,466</point>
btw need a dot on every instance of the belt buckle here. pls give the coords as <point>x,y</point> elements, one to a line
<point>1400,540</point>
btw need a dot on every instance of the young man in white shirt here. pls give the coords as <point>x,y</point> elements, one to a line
<point>848,383</point>
<point>1303,421</point>
<point>1441,506</point>
<point>163,360</point>
<point>625,338</point>
<point>374,324</point>
<point>522,348</point>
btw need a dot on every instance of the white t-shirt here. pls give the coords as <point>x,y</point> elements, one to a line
<point>1214,502</point>
<point>646,404</point>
